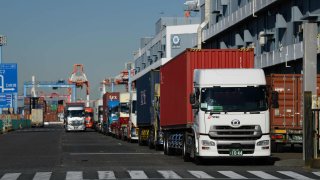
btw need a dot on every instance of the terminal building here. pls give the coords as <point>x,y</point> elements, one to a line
<point>274,28</point>
<point>172,36</point>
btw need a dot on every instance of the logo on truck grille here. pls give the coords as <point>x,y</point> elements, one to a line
<point>235,123</point>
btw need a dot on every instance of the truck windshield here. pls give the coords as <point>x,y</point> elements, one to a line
<point>234,99</point>
<point>124,108</point>
<point>76,113</point>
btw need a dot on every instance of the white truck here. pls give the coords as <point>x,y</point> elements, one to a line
<point>74,117</point>
<point>230,117</point>
<point>132,125</point>
<point>231,114</point>
<point>124,115</point>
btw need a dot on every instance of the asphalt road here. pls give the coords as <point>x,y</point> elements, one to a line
<point>51,153</point>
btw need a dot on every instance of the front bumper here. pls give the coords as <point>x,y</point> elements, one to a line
<point>222,148</point>
<point>76,128</point>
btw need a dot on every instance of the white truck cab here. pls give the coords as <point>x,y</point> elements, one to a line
<point>231,115</point>
<point>74,118</point>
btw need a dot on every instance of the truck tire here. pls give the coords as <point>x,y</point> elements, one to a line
<point>196,159</point>
<point>165,144</point>
<point>168,149</point>
<point>185,155</point>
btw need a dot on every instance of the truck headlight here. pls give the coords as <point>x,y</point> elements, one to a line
<point>263,143</point>
<point>208,143</point>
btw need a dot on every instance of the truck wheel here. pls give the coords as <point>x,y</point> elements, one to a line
<point>140,141</point>
<point>196,159</point>
<point>169,150</point>
<point>165,150</point>
<point>185,154</point>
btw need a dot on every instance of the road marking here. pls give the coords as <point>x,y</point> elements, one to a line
<point>232,175</point>
<point>42,176</point>
<point>74,175</point>
<point>293,175</point>
<point>10,176</point>
<point>106,175</point>
<point>80,154</point>
<point>138,175</point>
<point>201,175</point>
<point>316,173</point>
<point>263,175</point>
<point>169,175</point>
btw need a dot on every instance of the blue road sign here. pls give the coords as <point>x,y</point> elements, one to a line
<point>8,78</point>
<point>5,100</point>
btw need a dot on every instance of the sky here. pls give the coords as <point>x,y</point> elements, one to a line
<point>47,37</point>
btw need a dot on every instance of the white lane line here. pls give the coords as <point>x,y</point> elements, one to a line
<point>74,175</point>
<point>42,176</point>
<point>137,175</point>
<point>10,176</point>
<point>201,175</point>
<point>316,173</point>
<point>169,175</point>
<point>232,175</point>
<point>263,175</point>
<point>106,175</point>
<point>294,175</point>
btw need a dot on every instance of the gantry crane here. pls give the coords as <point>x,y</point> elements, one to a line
<point>79,78</point>
<point>121,79</point>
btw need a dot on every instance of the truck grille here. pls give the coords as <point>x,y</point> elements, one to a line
<point>231,133</point>
<point>246,148</point>
<point>76,123</point>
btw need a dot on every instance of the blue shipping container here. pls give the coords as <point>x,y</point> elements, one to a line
<point>145,86</point>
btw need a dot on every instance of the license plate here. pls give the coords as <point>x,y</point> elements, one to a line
<point>235,152</point>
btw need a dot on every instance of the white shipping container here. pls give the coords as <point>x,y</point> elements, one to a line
<point>37,117</point>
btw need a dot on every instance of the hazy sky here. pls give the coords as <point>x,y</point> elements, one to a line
<point>46,37</point>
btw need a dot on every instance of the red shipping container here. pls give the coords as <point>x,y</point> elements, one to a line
<point>289,114</point>
<point>177,79</point>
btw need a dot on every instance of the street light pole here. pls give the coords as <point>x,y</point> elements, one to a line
<point>129,67</point>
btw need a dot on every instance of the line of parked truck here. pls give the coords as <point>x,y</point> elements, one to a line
<point>206,103</point>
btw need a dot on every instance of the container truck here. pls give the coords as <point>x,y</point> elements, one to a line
<point>88,113</point>
<point>111,101</point>
<point>286,113</point>
<point>97,115</point>
<point>147,121</point>
<point>132,124</point>
<point>210,107</point>
<point>74,117</point>
<point>124,116</point>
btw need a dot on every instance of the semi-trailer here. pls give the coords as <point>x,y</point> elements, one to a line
<point>111,101</point>
<point>214,105</point>
<point>147,122</point>
<point>74,119</point>
<point>286,111</point>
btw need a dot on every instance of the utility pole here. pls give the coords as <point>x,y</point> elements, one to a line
<point>309,87</point>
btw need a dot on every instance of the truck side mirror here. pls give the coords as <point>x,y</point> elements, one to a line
<point>274,99</point>
<point>192,99</point>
